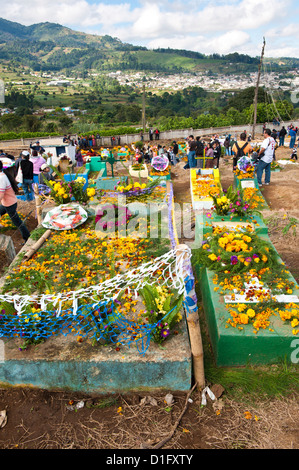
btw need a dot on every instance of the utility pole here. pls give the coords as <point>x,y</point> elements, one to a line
<point>257,90</point>
<point>143,109</point>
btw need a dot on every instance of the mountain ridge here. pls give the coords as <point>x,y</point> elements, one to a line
<point>75,50</point>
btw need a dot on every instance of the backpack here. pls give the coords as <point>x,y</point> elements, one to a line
<point>240,150</point>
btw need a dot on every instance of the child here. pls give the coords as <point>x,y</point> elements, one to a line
<point>294,152</point>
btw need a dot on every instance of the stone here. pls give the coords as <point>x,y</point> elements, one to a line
<point>7,250</point>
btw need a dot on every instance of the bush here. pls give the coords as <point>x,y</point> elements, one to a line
<point>25,135</point>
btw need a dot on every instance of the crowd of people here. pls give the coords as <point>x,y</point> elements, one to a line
<point>28,168</point>
<point>31,165</point>
<point>201,154</point>
<point>280,134</point>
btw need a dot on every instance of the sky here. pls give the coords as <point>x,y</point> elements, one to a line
<point>205,26</point>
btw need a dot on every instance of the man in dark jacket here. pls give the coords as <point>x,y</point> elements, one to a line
<point>37,147</point>
<point>282,134</point>
<point>175,149</point>
<point>217,153</point>
<point>199,152</point>
<point>27,172</point>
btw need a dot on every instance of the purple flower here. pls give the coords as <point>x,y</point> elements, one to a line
<point>233,260</point>
<point>164,333</point>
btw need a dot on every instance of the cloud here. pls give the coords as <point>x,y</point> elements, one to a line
<point>156,23</point>
<point>232,41</point>
<point>67,12</point>
<point>291,30</point>
<point>207,26</point>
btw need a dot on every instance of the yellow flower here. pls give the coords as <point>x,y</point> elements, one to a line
<point>213,257</point>
<point>80,179</point>
<point>90,192</point>
<point>250,312</point>
<point>244,318</point>
<point>241,307</point>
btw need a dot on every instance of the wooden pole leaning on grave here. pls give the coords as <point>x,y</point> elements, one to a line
<point>194,335</point>
<point>37,245</point>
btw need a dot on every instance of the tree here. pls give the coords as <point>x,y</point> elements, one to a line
<point>10,122</point>
<point>244,99</point>
<point>65,122</point>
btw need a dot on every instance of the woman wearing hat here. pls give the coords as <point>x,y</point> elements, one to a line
<point>45,174</point>
<point>8,200</point>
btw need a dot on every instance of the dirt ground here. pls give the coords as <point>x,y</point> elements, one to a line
<point>39,419</point>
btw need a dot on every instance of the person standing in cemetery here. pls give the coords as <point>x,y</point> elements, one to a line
<point>37,161</point>
<point>191,153</point>
<point>9,202</point>
<point>79,157</point>
<point>37,147</point>
<point>226,145</point>
<point>175,149</point>
<point>266,155</point>
<point>209,156</point>
<point>199,152</point>
<point>282,134</point>
<point>240,149</point>
<point>292,133</point>
<point>217,153</point>
<point>27,176</point>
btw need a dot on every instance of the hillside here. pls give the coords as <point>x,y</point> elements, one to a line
<point>52,47</point>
